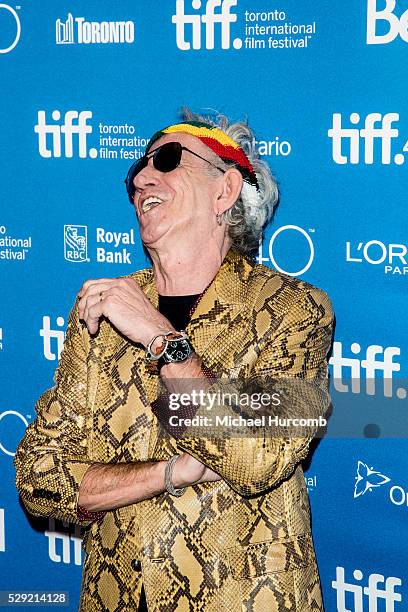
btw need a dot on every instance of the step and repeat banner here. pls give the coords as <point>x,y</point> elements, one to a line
<point>84,84</point>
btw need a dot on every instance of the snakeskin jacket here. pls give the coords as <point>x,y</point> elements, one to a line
<point>241,543</point>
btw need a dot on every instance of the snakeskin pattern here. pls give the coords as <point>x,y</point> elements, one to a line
<point>242,543</point>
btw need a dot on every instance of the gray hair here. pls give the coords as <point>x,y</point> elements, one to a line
<point>245,220</point>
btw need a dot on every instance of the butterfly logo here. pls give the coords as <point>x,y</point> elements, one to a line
<point>367,479</point>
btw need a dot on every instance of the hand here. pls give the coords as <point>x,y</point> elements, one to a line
<point>209,476</point>
<point>122,301</point>
<point>187,470</point>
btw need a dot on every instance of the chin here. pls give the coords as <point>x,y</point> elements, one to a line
<point>151,239</point>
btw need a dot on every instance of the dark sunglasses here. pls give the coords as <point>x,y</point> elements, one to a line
<point>166,158</point>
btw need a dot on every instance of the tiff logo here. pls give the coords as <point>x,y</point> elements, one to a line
<point>373,592</point>
<point>2,532</point>
<point>377,359</point>
<point>75,124</point>
<point>49,334</point>
<point>65,539</point>
<point>210,17</point>
<point>377,129</point>
<point>393,24</point>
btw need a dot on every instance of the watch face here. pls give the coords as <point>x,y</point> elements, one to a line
<point>178,351</point>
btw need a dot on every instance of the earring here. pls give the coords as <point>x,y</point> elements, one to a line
<point>219,220</point>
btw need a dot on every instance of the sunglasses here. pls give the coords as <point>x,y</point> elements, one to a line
<point>166,158</point>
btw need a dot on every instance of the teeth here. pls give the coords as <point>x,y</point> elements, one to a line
<point>150,202</point>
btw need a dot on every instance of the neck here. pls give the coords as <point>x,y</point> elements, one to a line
<point>186,270</point>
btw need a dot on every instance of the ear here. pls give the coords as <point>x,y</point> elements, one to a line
<point>230,188</point>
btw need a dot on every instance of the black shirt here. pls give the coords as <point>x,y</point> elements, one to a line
<point>176,308</point>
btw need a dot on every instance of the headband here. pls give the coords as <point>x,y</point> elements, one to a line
<point>218,141</point>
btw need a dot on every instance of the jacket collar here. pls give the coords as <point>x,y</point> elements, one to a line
<point>228,285</point>
<point>218,305</point>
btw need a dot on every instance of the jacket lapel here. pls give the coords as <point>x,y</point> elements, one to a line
<point>219,305</point>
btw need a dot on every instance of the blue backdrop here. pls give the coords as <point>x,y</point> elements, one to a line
<point>324,85</point>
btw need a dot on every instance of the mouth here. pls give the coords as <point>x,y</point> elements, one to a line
<point>149,203</point>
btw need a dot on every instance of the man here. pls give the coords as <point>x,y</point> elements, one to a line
<point>203,518</point>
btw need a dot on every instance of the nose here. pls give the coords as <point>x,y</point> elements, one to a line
<point>147,177</point>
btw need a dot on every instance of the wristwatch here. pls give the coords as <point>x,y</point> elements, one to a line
<point>178,349</point>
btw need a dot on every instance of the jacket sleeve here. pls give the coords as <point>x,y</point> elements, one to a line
<point>294,362</point>
<point>52,458</point>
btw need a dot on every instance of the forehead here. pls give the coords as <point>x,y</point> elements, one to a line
<point>186,140</point>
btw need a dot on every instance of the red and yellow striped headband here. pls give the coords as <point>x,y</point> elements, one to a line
<point>218,141</point>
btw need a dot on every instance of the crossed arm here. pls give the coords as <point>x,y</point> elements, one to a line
<point>55,474</point>
<point>292,361</point>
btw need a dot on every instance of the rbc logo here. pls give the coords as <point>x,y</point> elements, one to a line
<point>76,243</point>
<point>209,19</point>
<point>373,592</point>
<point>394,24</point>
<point>75,123</point>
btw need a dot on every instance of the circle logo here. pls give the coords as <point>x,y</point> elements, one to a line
<point>14,41</point>
<point>11,431</point>
<point>310,246</point>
